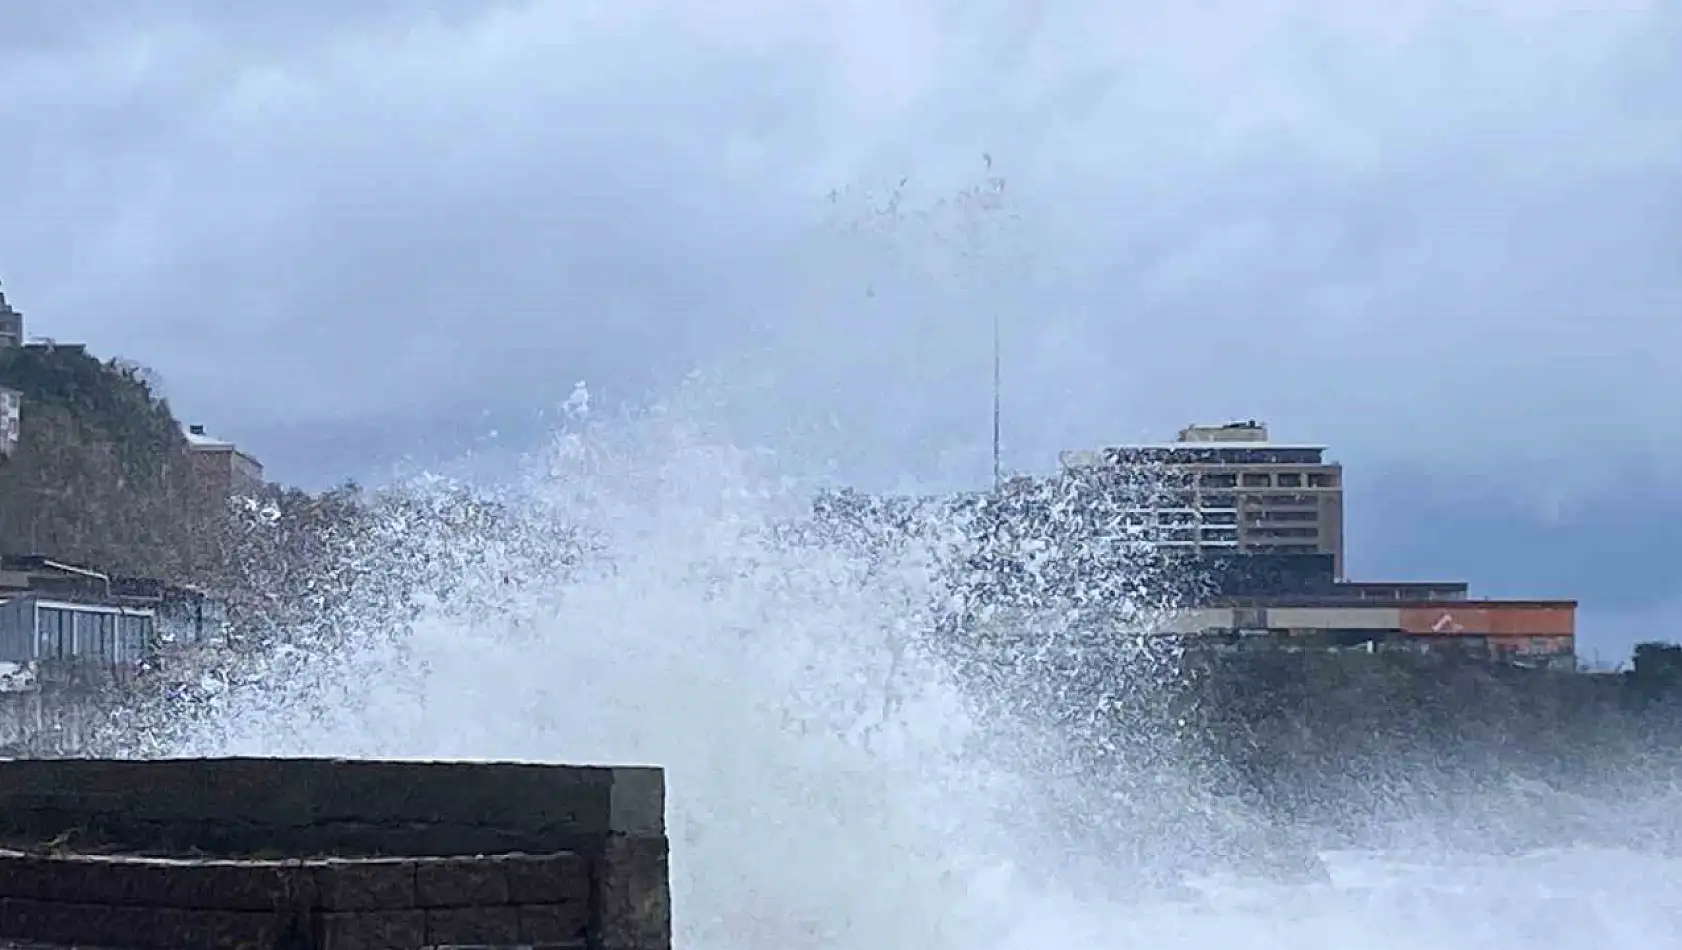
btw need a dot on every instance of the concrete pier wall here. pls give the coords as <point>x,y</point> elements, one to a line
<point>224,853</point>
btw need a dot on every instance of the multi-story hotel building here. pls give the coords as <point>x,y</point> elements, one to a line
<point>1228,487</point>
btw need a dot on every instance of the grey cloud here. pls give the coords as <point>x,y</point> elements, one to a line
<point>1426,234</point>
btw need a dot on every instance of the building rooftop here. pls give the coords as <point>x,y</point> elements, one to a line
<point>1313,601</point>
<point>1247,431</point>
<point>1210,446</point>
<point>1082,458</point>
<point>197,438</point>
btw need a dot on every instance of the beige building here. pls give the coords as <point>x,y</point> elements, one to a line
<point>1228,487</point>
<point>11,324</point>
<point>11,421</point>
<point>1531,632</point>
<point>220,467</point>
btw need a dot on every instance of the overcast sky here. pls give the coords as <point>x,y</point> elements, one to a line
<point>1442,237</point>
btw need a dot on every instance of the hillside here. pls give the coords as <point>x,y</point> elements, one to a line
<point>101,475</point>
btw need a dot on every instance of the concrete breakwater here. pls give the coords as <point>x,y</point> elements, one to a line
<point>309,853</point>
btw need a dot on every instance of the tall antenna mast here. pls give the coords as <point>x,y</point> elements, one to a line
<point>998,386</point>
<point>990,199</point>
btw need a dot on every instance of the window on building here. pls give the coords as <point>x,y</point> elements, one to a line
<point>1269,531</point>
<point>42,635</point>
<point>1284,547</point>
<point>107,647</point>
<point>1257,480</point>
<point>57,633</point>
<point>85,627</point>
<point>1220,480</point>
<point>90,638</point>
<point>134,634</point>
<point>1177,478</point>
<point>1290,480</point>
<point>1321,480</point>
<point>1272,515</point>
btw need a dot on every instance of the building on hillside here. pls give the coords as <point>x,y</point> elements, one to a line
<point>45,345</point>
<point>1243,534</point>
<point>1231,572</point>
<point>1224,575</point>
<point>11,422</point>
<point>38,574</point>
<point>11,324</point>
<point>1296,600</point>
<point>37,630</point>
<point>183,614</point>
<point>1527,632</point>
<point>220,468</point>
<point>186,615</point>
<point>62,623</point>
<point>11,401</point>
<point>1228,487</point>
<point>1386,591</point>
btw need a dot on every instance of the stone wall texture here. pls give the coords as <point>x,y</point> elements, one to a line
<point>248,853</point>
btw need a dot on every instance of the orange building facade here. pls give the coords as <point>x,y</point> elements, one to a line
<point>1515,628</point>
<point>1535,632</point>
